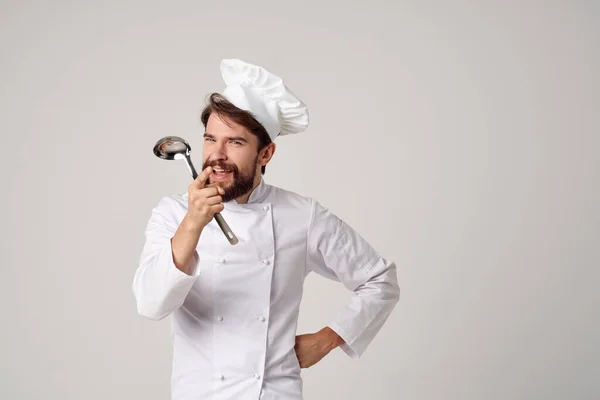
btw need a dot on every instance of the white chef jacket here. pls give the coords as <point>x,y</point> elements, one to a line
<point>234,317</point>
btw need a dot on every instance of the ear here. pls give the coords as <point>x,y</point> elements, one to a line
<point>266,154</point>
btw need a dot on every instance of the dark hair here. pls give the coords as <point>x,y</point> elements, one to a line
<point>224,108</point>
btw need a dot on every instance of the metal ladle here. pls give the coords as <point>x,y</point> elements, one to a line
<point>176,148</point>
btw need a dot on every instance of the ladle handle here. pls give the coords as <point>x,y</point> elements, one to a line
<point>188,161</point>
<point>226,229</point>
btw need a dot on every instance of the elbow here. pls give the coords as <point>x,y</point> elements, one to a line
<point>391,286</point>
<point>396,294</point>
<point>392,292</point>
<point>149,307</point>
<point>151,311</point>
<point>383,286</point>
<point>395,291</point>
<point>150,302</point>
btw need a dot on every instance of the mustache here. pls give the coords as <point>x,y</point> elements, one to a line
<point>221,165</point>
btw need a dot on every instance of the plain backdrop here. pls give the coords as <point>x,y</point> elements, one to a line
<point>460,138</point>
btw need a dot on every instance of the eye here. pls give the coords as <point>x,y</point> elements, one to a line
<point>236,142</point>
<point>206,139</point>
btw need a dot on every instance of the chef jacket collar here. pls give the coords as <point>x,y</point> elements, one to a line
<point>258,195</point>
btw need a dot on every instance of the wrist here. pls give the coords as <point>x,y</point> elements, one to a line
<point>331,339</point>
<point>189,225</point>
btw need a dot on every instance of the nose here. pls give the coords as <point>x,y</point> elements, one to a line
<point>219,152</point>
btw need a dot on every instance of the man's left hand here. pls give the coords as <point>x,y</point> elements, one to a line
<point>312,347</point>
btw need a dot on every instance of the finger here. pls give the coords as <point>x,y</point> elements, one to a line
<point>200,195</point>
<point>216,185</point>
<point>210,191</point>
<point>201,179</point>
<point>213,200</point>
<point>217,208</point>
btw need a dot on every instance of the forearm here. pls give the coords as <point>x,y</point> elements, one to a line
<point>183,245</point>
<point>368,309</point>
<point>159,286</point>
<point>168,268</point>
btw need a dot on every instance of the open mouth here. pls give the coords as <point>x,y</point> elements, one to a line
<point>220,173</point>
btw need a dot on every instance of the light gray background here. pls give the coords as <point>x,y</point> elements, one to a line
<point>459,138</point>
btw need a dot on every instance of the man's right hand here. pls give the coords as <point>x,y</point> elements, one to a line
<point>203,201</point>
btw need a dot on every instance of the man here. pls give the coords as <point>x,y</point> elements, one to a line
<point>234,308</point>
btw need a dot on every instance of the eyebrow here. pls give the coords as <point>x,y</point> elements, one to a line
<point>238,138</point>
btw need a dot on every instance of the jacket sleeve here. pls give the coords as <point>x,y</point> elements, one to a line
<point>159,286</point>
<point>339,253</point>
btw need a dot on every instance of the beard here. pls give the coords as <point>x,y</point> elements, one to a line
<point>243,179</point>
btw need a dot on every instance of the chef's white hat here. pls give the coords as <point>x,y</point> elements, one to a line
<point>262,93</point>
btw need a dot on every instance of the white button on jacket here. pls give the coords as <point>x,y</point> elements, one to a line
<point>218,312</point>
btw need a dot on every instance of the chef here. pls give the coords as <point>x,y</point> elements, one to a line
<point>234,308</point>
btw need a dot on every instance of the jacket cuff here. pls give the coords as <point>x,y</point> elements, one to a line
<point>348,345</point>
